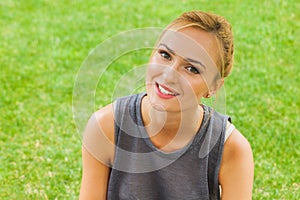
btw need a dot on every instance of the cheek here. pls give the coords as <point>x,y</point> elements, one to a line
<point>196,87</point>
<point>151,72</point>
<point>153,69</point>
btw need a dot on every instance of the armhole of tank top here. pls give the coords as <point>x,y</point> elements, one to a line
<point>229,129</point>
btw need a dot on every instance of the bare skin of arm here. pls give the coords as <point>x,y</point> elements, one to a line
<point>237,168</point>
<point>97,154</point>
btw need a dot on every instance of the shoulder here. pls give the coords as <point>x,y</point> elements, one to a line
<point>104,119</point>
<point>98,137</point>
<point>97,154</point>
<point>236,147</point>
<point>237,167</point>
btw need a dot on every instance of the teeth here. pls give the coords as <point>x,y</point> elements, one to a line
<point>164,91</point>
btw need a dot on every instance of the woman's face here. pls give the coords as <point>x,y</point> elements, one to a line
<point>181,69</point>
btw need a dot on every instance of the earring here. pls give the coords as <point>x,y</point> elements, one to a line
<point>208,95</point>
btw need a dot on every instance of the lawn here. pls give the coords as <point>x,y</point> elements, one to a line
<point>43,46</point>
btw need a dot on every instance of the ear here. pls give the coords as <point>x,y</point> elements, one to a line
<point>217,85</point>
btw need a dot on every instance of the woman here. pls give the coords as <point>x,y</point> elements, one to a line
<point>164,144</point>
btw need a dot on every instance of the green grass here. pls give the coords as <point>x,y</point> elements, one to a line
<point>43,44</point>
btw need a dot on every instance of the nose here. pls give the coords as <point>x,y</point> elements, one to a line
<point>171,73</point>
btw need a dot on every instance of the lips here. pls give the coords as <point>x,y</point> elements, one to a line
<point>165,92</point>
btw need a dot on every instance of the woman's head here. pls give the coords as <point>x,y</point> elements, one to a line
<point>216,25</point>
<point>190,61</point>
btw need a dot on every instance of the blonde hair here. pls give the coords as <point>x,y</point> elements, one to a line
<point>218,26</point>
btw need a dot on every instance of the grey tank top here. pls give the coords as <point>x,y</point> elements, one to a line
<point>142,171</point>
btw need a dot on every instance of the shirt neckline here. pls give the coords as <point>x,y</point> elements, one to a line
<point>145,136</point>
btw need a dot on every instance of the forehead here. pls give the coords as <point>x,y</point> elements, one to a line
<point>192,43</point>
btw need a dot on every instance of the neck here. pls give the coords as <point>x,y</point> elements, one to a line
<point>165,126</point>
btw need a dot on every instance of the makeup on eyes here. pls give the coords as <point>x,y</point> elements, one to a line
<point>194,66</point>
<point>189,60</point>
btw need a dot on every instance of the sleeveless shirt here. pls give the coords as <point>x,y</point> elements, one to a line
<point>142,171</point>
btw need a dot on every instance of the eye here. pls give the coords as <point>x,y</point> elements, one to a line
<point>164,54</point>
<point>193,69</point>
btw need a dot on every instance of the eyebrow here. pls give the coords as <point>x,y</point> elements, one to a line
<point>168,48</point>
<point>187,59</point>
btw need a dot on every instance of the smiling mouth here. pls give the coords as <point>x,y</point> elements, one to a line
<point>165,91</point>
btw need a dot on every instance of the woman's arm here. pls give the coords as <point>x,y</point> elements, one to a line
<point>97,154</point>
<point>237,168</point>
<point>94,178</point>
